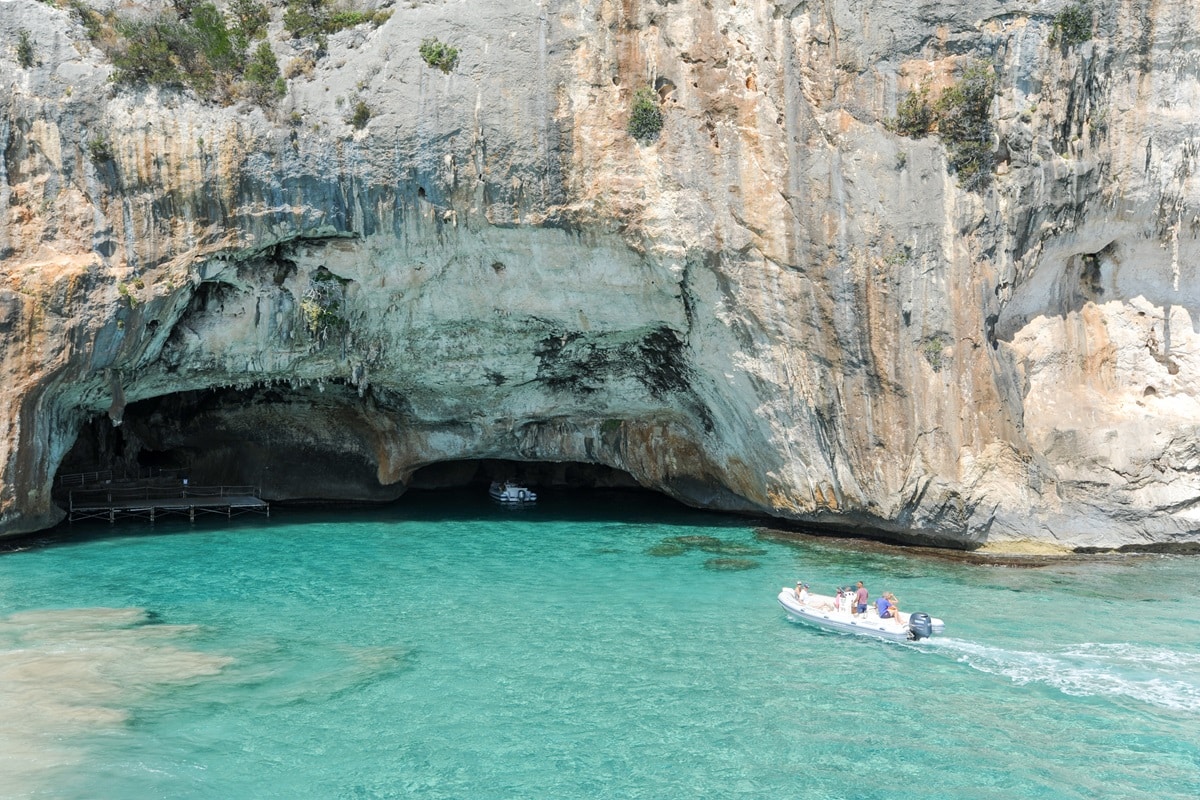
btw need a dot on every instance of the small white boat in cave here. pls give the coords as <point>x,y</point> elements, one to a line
<point>825,612</point>
<point>504,492</point>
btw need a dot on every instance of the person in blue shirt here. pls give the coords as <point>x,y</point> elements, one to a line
<point>887,606</point>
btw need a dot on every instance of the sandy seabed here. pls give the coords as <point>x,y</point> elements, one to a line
<point>70,672</point>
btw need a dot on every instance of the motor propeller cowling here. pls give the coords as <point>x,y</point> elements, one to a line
<point>920,626</point>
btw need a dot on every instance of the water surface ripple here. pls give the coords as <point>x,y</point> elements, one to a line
<point>445,648</point>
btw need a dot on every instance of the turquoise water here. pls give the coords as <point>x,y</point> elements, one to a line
<point>446,648</point>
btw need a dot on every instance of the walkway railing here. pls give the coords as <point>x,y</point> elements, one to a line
<point>123,495</point>
<point>108,476</point>
<point>111,501</point>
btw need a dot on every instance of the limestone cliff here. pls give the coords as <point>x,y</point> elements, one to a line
<point>778,306</point>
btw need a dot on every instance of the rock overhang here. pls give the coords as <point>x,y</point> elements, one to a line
<point>805,303</point>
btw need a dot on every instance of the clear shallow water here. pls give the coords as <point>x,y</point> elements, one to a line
<point>446,648</point>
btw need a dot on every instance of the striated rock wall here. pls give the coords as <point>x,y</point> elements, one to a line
<point>779,306</point>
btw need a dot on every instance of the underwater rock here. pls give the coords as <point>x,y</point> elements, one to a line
<point>667,549</point>
<point>731,564</point>
<point>732,549</point>
<point>696,541</point>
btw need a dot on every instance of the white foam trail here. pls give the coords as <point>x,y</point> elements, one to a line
<point>1147,675</point>
<point>1135,654</point>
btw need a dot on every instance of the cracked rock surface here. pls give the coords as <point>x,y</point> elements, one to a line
<point>778,306</point>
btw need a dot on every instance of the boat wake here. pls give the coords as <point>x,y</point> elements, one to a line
<point>1163,678</point>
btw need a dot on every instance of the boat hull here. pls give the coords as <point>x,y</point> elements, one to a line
<point>814,613</point>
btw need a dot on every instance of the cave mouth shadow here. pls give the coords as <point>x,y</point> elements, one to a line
<point>474,472</point>
<point>164,440</point>
<point>315,447</point>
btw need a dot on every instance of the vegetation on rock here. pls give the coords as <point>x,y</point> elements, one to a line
<point>99,150</point>
<point>360,115</point>
<point>196,47</point>
<point>24,49</point>
<point>934,349</point>
<point>318,19</point>
<point>249,22</point>
<point>914,115</point>
<point>646,118</point>
<point>438,54</point>
<point>962,117</point>
<point>263,81</point>
<point>1072,25</point>
<point>322,304</point>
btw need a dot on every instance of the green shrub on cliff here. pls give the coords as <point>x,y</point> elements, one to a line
<point>914,115</point>
<point>263,81</point>
<point>196,52</point>
<point>150,51</point>
<point>1072,25</point>
<point>962,116</point>
<point>96,25</point>
<point>316,18</point>
<point>322,303</point>
<point>99,150</point>
<point>304,17</point>
<point>438,54</point>
<point>216,60</point>
<point>249,22</point>
<point>646,118</point>
<point>198,48</point>
<point>360,116</point>
<point>24,49</point>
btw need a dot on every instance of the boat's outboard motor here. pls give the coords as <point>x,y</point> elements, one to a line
<point>920,626</point>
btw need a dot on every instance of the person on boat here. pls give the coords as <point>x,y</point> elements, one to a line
<point>882,605</point>
<point>860,599</point>
<point>802,592</point>
<point>893,607</point>
<point>845,599</point>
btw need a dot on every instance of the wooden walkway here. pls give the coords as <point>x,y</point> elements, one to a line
<point>150,502</point>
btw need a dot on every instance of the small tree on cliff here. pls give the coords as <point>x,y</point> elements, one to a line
<point>263,81</point>
<point>964,116</point>
<point>914,115</point>
<point>25,55</point>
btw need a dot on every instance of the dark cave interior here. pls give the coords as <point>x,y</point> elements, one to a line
<point>301,445</point>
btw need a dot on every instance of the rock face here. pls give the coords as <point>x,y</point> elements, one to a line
<point>779,306</point>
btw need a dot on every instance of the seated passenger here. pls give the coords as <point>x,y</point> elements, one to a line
<point>893,607</point>
<point>802,592</point>
<point>884,606</point>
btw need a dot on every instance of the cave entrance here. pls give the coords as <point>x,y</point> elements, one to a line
<point>307,442</point>
<point>316,443</point>
<point>481,472</point>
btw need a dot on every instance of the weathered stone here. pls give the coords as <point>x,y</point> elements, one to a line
<point>778,306</point>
